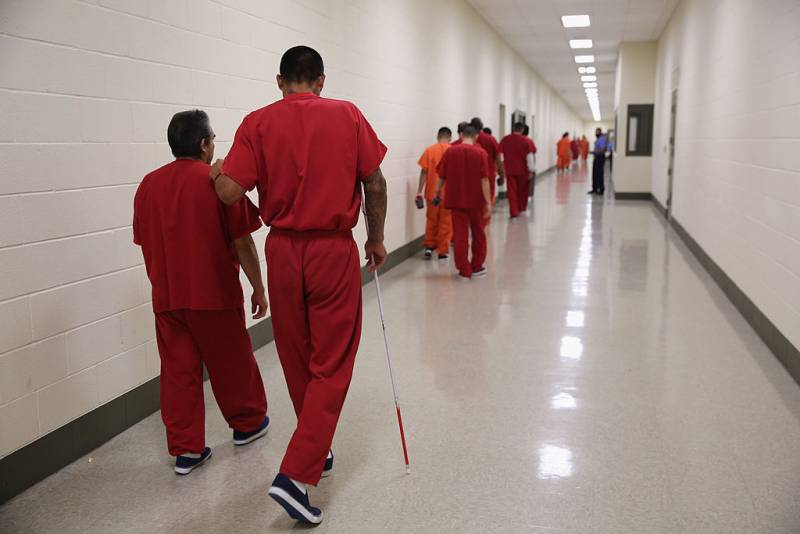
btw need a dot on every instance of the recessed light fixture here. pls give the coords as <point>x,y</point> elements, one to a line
<point>584,59</point>
<point>580,43</point>
<point>589,78</point>
<point>575,21</point>
<point>587,70</point>
<point>588,85</point>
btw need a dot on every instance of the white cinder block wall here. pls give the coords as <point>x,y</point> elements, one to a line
<point>86,91</point>
<point>737,157</point>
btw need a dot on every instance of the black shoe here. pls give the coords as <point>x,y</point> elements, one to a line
<point>592,192</point>
<point>443,257</point>
<point>294,501</point>
<point>328,469</point>
<point>243,438</point>
<point>428,253</point>
<point>185,465</point>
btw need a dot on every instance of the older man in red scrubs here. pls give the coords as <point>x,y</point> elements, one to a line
<point>308,156</point>
<point>192,246</point>
<point>494,153</point>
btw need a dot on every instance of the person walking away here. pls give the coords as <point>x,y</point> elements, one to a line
<point>465,170</point>
<point>193,246</point>
<point>516,151</point>
<point>439,224</point>
<point>308,156</point>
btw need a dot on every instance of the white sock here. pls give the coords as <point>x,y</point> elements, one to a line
<point>299,485</point>
<point>192,455</point>
<point>330,455</point>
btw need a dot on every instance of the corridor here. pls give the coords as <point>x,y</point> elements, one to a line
<point>597,380</point>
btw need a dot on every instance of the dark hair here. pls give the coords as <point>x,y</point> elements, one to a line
<point>526,130</point>
<point>477,123</point>
<point>487,131</point>
<point>470,131</point>
<point>566,134</point>
<point>445,131</point>
<point>301,64</point>
<point>461,126</point>
<point>519,127</point>
<point>186,131</point>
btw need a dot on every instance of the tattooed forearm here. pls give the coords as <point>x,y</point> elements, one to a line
<point>375,205</point>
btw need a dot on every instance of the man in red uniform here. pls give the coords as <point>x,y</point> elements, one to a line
<point>192,246</point>
<point>531,167</point>
<point>465,169</point>
<point>439,224</point>
<point>515,151</point>
<point>309,156</point>
<point>495,153</point>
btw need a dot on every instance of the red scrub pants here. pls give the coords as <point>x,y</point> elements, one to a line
<point>464,221</point>
<point>187,339</point>
<point>314,283</point>
<point>517,194</point>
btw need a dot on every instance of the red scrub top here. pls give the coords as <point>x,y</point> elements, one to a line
<point>515,152</point>
<point>306,154</point>
<point>492,148</point>
<point>531,143</point>
<point>463,168</point>
<point>187,235</point>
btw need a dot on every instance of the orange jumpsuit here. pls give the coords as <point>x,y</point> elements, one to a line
<point>584,147</point>
<point>439,225</point>
<point>563,151</point>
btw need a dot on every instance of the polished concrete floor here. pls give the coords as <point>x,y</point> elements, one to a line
<point>596,381</point>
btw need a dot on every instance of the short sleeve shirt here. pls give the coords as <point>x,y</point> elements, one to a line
<point>515,152</point>
<point>463,168</point>
<point>492,148</point>
<point>187,235</point>
<point>428,162</point>
<point>306,155</point>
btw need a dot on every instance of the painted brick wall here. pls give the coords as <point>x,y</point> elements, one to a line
<point>737,159</point>
<point>86,91</point>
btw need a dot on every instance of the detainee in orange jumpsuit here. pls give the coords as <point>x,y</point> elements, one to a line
<point>584,148</point>
<point>439,225</point>
<point>563,150</point>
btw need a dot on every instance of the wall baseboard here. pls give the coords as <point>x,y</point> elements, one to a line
<point>781,347</point>
<point>633,195</point>
<point>41,458</point>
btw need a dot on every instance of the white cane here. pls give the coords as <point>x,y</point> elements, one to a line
<point>386,346</point>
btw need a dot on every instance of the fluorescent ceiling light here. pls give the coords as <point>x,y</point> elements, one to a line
<point>575,21</point>
<point>586,70</point>
<point>584,59</point>
<point>590,84</point>
<point>589,78</point>
<point>580,43</point>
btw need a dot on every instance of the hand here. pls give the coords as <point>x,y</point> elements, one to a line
<point>487,211</point>
<point>259,304</point>
<point>216,169</point>
<point>419,201</point>
<point>375,255</point>
<point>436,200</point>
<point>501,180</point>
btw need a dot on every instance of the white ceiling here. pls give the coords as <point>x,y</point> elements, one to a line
<point>533,28</point>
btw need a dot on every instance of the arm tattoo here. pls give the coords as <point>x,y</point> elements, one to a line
<point>375,205</point>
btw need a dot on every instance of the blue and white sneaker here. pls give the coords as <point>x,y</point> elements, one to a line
<point>186,464</point>
<point>328,469</point>
<point>243,438</point>
<point>294,500</point>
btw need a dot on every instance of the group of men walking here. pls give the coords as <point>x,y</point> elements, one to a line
<point>458,184</point>
<point>310,159</point>
<point>569,150</point>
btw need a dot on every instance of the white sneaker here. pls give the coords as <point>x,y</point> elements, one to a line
<point>480,273</point>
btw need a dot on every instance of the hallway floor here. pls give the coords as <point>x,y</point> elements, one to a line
<point>597,380</point>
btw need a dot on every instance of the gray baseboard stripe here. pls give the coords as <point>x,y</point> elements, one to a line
<point>38,460</point>
<point>632,195</point>
<point>779,344</point>
<point>659,207</point>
